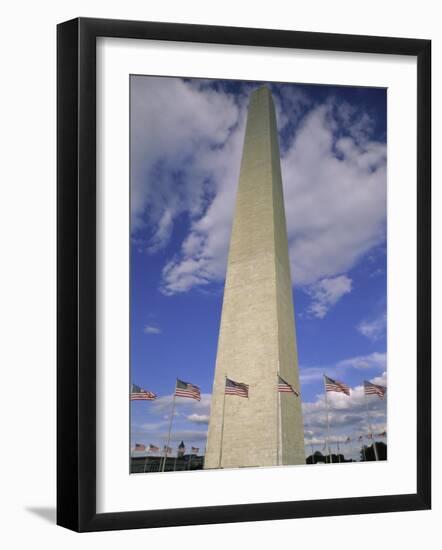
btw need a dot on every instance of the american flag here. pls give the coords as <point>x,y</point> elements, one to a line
<point>138,394</point>
<point>236,388</point>
<point>382,434</point>
<point>374,389</point>
<point>185,389</point>
<point>195,450</point>
<point>153,448</point>
<point>140,447</point>
<point>334,385</point>
<point>285,387</point>
<point>167,449</point>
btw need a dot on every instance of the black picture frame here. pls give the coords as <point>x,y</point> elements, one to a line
<point>77,287</point>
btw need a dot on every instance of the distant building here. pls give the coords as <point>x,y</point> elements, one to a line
<point>141,464</point>
<point>181,450</point>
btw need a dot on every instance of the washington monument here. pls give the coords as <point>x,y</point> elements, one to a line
<point>257,340</point>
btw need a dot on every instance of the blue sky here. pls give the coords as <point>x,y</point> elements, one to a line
<point>186,142</point>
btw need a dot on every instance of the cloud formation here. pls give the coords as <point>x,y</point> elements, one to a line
<point>177,135</point>
<point>187,141</point>
<point>198,418</point>
<point>347,415</point>
<point>375,360</point>
<point>326,293</point>
<point>373,329</point>
<point>151,329</point>
<point>190,422</point>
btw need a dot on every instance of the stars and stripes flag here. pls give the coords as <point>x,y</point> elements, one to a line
<point>335,385</point>
<point>195,450</point>
<point>382,434</point>
<point>138,394</point>
<point>236,388</point>
<point>185,389</point>
<point>153,448</point>
<point>285,387</point>
<point>374,389</point>
<point>140,447</point>
<point>167,450</point>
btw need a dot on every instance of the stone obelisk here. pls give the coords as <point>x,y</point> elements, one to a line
<point>257,333</point>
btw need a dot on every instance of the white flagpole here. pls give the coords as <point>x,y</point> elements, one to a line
<point>222,425</point>
<point>190,459</point>
<point>174,462</point>
<point>278,408</point>
<point>363,450</point>
<point>370,428</point>
<point>170,429</point>
<point>328,421</point>
<point>145,461</point>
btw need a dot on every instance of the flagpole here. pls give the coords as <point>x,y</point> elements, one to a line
<point>278,408</point>
<point>363,450</point>
<point>170,430</point>
<point>370,428</point>
<point>349,448</point>
<point>222,425</point>
<point>328,421</point>
<point>145,461</point>
<point>313,455</point>
<point>174,462</point>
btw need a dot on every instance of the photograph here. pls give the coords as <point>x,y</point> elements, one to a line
<point>258,274</point>
<point>219,272</point>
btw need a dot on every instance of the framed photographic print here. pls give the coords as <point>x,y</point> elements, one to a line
<point>243,274</point>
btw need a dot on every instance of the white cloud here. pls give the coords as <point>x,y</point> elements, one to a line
<point>183,406</point>
<point>151,329</point>
<point>347,414</point>
<point>326,293</point>
<point>189,414</point>
<point>307,375</point>
<point>198,418</point>
<point>374,360</point>
<point>149,426</point>
<point>335,192</point>
<point>335,188</point>
<point>373,329</point>
<point>178,135</point>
